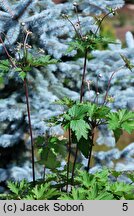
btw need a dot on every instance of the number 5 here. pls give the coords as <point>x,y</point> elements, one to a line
<point>125,207</point>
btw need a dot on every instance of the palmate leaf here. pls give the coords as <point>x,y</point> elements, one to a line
<point>120,188</point>
<point>123,119</point>
<point>85,179</point>
<point>14,187</point>
<point>80,128</point>
<point>125,115</point>
<point>113,121</point>
<point>103,195</point>
<point>76,194</point>
<point>44,191</point>
<point>58,145</point>
<point>78,111</point>
<point>98,112</point>
<point>4,65</point>
<point>102,112</point>
<point>23,184</point>
<point>92,109</point>
<point>101,177</point>
<point>75,45</point>
<point>128,126</point>
<point>39,190</point>
<point>49,154</point>
<point>49,159</point>
<point>96,194</point>
<point>40,61</point>
<point>22,75</point>
<point>65,101</point>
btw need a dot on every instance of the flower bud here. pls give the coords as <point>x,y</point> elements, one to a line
<point>23,24</point>
<point>75,4</point>
<point>77,25</point>
<point>100,75</point>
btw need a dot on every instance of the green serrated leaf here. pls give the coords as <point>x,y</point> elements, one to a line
<point>22,75</point>
<point>92,108</point>
<point>38,191</point>
<point>17,69</point>
<point>49,159</point>
<point>113,121</point>
<point>102,112</point>
<point>75,45</point>
<point>85,179</point>
<point>13,186</point>
<point>104,196</point>
<point>120,188</point>
<point>78,111</point>
<point>80,128</point>
<point>122,119</point>
<point>128,126</point>
<point>65,101</point>
<point>23,184</point>
<point>4,65</point>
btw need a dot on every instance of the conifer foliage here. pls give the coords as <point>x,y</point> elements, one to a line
<point>52,35</point>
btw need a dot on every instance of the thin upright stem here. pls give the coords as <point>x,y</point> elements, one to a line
<point>83,76</point>
<point>109,82</point>
<point>30,127</point>
<point>75,158</point>
<point>69,155</point>
<point>97,92</point>
<point>44,173</point>
<point>81,99</point>
<point>28,108</point>
<point>101,22</point>
<point>77,33</point>
<point>90,151</point>
<point>76,10</point>
<point>7,53</point>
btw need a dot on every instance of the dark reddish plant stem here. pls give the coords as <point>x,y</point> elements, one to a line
<point>30,128</point>
<point>75,158</point>
<point>83,77</point>
<point>81,99</point>
<point>109,82</point>
<point>90,151</point>
<point>101,22</point>
<point>69,155</point>
<point>7,53</point>
<point>28,108</point>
